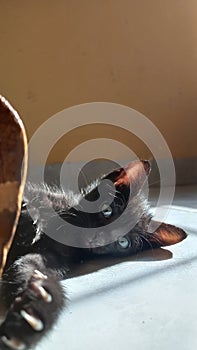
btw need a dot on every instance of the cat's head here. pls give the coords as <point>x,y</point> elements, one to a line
<point>124,221</point>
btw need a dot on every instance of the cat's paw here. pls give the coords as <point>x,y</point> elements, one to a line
<point>30,314</point>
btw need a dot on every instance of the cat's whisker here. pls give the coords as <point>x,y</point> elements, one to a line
<point>113,195</point>
<point>155,238</point>
<point>77,207</point>
<point>67,215</point>
<point>60,227</point>
<point>54,215</point>
<point>146,239</point>
<point>7,282</point>
<point>138,242</point>
<point>84,176</point>
<point>154,183</point>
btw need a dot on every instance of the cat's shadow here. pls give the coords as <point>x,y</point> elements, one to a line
<point>101,262</point>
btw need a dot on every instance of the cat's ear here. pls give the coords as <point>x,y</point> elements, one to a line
<point>166,235</point>
<point>133,175</point>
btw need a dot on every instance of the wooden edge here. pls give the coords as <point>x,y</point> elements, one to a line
<point>21,185</point>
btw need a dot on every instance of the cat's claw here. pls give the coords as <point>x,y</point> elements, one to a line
<point>34,322</point>
<point>42,292</point>
<point>39,275</point>
<point>13,343</point>
<point>18,299</point>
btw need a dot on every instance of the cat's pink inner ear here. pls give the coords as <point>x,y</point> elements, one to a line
<point>135,172</point>
<point>167,235</point>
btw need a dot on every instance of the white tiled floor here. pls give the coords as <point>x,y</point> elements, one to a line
<point>144,303</point>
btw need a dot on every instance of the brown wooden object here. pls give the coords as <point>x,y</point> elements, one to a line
<point>13,166</point>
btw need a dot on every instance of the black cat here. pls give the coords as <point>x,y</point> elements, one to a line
<point>31,289</point>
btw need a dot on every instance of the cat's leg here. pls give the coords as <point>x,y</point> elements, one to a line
<point>34,299</point>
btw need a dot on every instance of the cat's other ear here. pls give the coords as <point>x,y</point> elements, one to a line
<point>133,176</point>
<point>166,235</point>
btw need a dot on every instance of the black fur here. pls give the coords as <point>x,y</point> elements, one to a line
<point>36,262</point>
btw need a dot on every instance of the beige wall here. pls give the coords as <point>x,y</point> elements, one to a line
<point>141,53</point>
